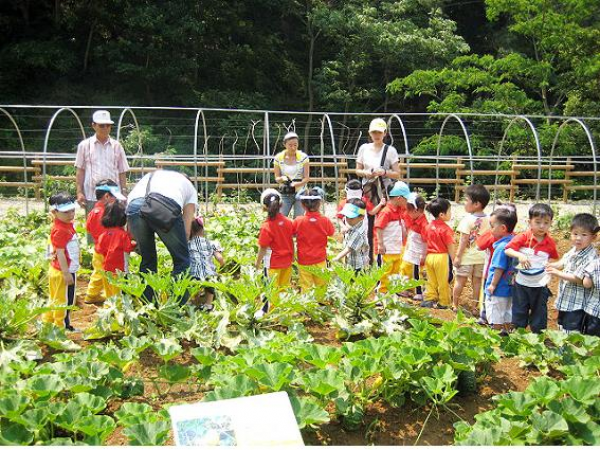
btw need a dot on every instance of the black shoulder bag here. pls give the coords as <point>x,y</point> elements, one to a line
<point>158,211</point>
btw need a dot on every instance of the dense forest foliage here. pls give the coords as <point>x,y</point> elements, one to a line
<point>513,56</point>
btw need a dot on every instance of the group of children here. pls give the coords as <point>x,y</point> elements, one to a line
<point>106,226</point>
<point>514,269</point>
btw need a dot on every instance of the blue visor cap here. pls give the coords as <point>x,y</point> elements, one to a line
<point>400,189</point>
<point>352,211</point>
<point>114,191</point>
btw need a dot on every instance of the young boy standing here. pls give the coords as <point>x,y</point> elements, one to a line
<point>591,306</point>
<point>440,252</point>
<point>388,232</point>
<point>571,292</point>
<point>416,248</point>
<point>534,249</point>
<point>107,192</point>
<point>469,260</point>
<point>498,290</point>
<point>356,245</point>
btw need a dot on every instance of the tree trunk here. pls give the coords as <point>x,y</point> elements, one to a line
<point>88,46</point>
<point>309,80</point>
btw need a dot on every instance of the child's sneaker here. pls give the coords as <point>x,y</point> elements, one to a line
<point>418,298</point>
<point>428,304</point>
<point>206,307</point>
<point>72,329</point>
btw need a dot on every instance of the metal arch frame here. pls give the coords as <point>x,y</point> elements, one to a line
<point>333,149</point>
<point>439,143</point>
<point>405,138</point>
<point>538,147</point>
<point>200,113</point>
<point>137,126</point>
<point>46,139</point>
<point>12,120</point>
<point>592,147</point>
<point>266,152</point>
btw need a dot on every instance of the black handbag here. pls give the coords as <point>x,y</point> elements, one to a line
<point>158,211</point>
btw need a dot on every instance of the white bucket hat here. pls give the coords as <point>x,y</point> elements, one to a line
<point>102,117</point>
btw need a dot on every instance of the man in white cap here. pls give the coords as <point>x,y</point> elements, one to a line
<point>99,158</point>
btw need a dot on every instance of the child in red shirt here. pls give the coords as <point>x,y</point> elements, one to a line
<point>64,251</point>
<point>312,231</point>
<point>415,250</point>
<point>388,236</point>
<point>440,252</point>
<point>107,191</point>
<point>114,244</point>
<point>275,241</point>
<point>534,249</point>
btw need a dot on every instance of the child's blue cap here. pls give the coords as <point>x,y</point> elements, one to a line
<point>400,189</point>
<point>352,211</point>
<point>114,190</point>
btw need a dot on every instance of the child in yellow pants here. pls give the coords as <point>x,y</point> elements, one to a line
<point>64,248</point>
<point>440,252</point>
<point>388,232</point>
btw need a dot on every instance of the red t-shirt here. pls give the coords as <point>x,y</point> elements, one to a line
<point>418,226</point>
<point>438,236</point>
<point>94,221</point>
<point>311,232</point>
<point>387,215</point>
<point>113,244</point>
<point>60,235</point>
<point>527,240</point>
<point>277,234</point>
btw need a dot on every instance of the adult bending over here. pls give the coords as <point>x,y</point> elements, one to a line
<point>179,191</point>
<point>292,172</point>
<point>377,166</point>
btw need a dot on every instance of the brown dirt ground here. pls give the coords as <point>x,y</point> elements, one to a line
<point>383,425</point>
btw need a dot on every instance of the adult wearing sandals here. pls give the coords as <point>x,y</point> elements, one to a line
<point>292,172</point>
<point>377,166</point>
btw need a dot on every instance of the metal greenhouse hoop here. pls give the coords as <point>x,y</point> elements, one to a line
<point>12,120</point>
<point>439,143</point>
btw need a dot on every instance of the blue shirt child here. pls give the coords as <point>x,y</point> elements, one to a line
<point>501,261</point>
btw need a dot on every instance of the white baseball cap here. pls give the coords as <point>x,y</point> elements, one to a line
<point>290,135</point>
<point>102,117</point>
<point>378,125</point>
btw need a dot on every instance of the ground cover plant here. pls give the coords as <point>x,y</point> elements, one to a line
<point>345,358</point>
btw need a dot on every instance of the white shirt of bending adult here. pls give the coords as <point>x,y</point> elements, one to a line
<point>371,158</point>
<point>169,183</point>
<point>100,161</point>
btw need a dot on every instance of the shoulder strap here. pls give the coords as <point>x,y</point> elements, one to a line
<point>381,183</point>
<point>148,185</point>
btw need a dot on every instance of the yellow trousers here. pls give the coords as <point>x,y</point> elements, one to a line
<point>308,280</point>
<point>60,294</point>
<point>110,289</point>
<point>439,278</point>
<point>395,261</point>
<point>97,282</point>
<point>282,276</point>
<point>409,270</point>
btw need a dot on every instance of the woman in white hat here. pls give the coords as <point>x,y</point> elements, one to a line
<point>377,164</point>
<point>292,172</point>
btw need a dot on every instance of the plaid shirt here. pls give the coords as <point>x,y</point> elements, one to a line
<point>356,240</point>
<point>592,296</point>
<point>202,252</point>
<point>571,296</point>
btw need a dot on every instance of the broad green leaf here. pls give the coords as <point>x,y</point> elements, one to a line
<point>205,355</point>
<point>90,402</point>
<point>516,403</point>
<point>13,404</point>
<point>550,424</point>
<point>570,409</point>
<point>45,385</point>
<point>240,386</point>
<point>70,415</point>
<point>323,382</point>
<point>589,432</point>
<point>272,375</point>
<point>308,413</point>
<point>15,434</point>
<point>174,373</point>
<point>167,349</point>
<point>321,355</point>
<point>132,413</point>
<point>101,426</point>
<point>148,434</point>
<point>584,390</point>
<point>544,389</point>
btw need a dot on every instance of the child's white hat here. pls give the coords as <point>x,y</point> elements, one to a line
<point>271,193</point>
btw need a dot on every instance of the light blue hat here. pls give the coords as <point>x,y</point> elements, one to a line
<point>400,189</point>
<point>352,211</point>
